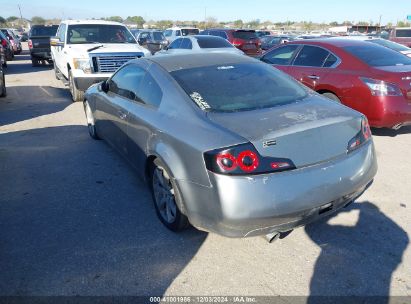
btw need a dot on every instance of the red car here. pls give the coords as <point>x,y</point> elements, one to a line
<point>245,40</point>
<point>367,77</point>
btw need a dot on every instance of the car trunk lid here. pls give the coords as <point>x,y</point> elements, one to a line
<point>307,132</point>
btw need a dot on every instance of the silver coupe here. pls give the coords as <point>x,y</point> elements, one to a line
<point>230,144</point>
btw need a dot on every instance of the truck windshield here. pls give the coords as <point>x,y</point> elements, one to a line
<point>98,33</point>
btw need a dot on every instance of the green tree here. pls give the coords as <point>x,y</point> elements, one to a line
<point>115,19</point>
<point>136,20</point>
<point>163,24</point>
<point>12,18</point>
<point>2,20</point>
<point>334,23</point>
<point>238,23</point>
<point>38,20</point>
<point>403,24</point>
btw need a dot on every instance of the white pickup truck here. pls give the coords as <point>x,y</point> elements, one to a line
<point>85,52</point>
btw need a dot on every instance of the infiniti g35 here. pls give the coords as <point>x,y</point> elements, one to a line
<point>231,145</point>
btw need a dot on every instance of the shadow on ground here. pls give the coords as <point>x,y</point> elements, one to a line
<point>26,102</point>
<point>391,132</point>
<point>358,260</point>
<point>87,227</point>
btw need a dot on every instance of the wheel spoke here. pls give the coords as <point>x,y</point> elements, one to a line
<point>164,195</point>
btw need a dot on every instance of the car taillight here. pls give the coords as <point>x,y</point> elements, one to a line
<point>362,136</point>
<point>381,88</point>
<point>3,42</point>
<point>30,44</point>
<point>244,160</point>
<point>237,42</point>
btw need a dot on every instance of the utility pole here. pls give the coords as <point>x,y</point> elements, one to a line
<point>21,16</point>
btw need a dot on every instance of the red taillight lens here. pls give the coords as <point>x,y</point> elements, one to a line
<point>3,42</point>
<point>244,160</point>
<point>30,43</point>
<point>363,136</point>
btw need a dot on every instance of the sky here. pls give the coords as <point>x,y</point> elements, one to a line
<point>223,10</point>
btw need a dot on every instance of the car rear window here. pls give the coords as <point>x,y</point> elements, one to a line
<point>44,31</point>
<point>238,87</point>
<point>376,55</point>
<point>187,32</point>
<point>208,42</point>
<point>403,33</point>
<point>389,44</point>
<point>245,35</point>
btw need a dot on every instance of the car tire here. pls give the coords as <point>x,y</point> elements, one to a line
<point>331,96</point>
<point>167,198</point>
<point>3,91</point>
<point>90,121</point>
<point>76,94</point>
<point>34,62</point>
<point>56,71</point>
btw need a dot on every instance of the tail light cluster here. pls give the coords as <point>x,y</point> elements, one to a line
<point>362,136</point>
<point>30,43</point>
<point>381,88</point>
<point>244,160</point>
<point>3,42</point>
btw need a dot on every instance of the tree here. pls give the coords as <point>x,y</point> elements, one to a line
<point>136,20</point>
<point>238,23</point>
<point>12,18</point>
<point>163,24</point>
<point>2,20</point>
<point>334,23</point>
<point>403,24</point>
<point>38,20</point>
<point>211,22</point>
<point>115,18</point>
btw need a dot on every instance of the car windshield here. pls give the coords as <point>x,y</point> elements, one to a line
<point>238,87</point>
<point>158,36</point>
<point>245,35</point>
<point>389,44</point>
<point>44,30</point>
<point>376,55</point>
<point>192,31</point>
<point>208,42</point>
<point>98,33</point>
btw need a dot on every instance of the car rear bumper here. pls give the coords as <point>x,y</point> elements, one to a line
<point>395,111</point>
<point>40,54</point>
<point>237,206</point>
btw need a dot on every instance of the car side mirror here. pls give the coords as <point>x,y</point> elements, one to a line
<point>105,87</point>
<point>55,41</point>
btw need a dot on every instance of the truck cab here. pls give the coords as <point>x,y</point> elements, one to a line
<point>85,52</point>
<point>401,35</point>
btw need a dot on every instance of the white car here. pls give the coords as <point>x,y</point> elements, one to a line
<point>174,32</point>
<point>200,43</point>
<point>381,41</point>
<point>85,52</point>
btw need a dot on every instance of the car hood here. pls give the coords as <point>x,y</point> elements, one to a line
<point>81,50</point>
<point>307,132</point>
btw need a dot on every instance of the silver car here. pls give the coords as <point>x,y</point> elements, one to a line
<point>230,144</point>
<point>200,43</point>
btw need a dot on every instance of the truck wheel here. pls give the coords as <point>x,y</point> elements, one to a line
<point>34,62</point>
<point>3,91</point>
<point>76,94</point>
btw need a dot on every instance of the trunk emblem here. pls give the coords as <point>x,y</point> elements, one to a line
<point>268,143</point>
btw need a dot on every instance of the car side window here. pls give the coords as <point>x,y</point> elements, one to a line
<point>149,91</point>
<point>311,56</point>
<point>127,81</point>
<point>175,44</point>
<point>178,33</point>
<point>186,44</point>
<point>282,55</point>
<point>330,61</point>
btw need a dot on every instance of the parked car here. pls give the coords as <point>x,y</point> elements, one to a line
<point>153,40</point>
<point>267,42</point>
<point>135,32</point>
<point>39,43</point>
<point>8,49</point>
<point>85,52</point>
<point>230,144</point>
<point>3,59</point>
<point>15,42</point>
<point>175,32</point>
<point>384,42</point>
<point>367,77</point>
<point>3,91</point>
<point>262,33</point>
<point>200,43</point>
<point>245,40</point>
<point>401,35</point>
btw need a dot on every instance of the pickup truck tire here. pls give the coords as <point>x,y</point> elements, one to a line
<point>34,62</point>
<point>3,91</point>
<point>76,94</point>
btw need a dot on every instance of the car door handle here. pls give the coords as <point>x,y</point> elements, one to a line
<point>314,77</point>
<point>122,115</point>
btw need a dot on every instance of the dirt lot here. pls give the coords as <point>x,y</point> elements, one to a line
<point>75,220</point>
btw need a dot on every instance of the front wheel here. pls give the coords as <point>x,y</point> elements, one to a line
<point>76,94</point>
<point>167,198</point>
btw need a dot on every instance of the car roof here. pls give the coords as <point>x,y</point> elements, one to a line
<point>196,60</point>
<point>182,28</point>
<point>334,41</point>
<point>88,21</point>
